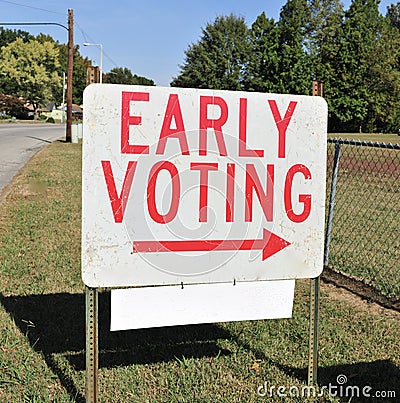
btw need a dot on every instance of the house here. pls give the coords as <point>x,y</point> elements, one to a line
<point>60,114</point>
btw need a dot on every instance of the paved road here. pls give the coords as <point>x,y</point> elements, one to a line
<point>19,142</point>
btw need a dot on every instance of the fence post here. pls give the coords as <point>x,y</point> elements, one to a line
<point>332,198</point>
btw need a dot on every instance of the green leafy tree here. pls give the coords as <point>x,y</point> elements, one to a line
<point>80,63</point>
<point>393,14</point>
<point>218,59</point>
<point>353,81</point>
<point>324,31</point>
<point>123,75</point>
<point>42,38</point>
<point>10,35</point>
<point>140,80</point>
<point>262,71</point>
<point>323,44</point>
<point>384,106</point>
<point>79,76</point>
<point>29,70</point>
<point>295,64</point>
<point>80,68</point>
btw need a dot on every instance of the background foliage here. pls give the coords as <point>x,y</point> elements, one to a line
<point>32,68</point>
<point>122,75</point>
<point>355,53</point>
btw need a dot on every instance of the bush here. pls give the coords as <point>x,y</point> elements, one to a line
<point>50,120</point>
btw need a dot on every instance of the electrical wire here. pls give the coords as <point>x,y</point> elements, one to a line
<point>86,37</point>
<point>34,8</point>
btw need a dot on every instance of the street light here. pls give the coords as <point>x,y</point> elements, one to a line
<point>101,57</point>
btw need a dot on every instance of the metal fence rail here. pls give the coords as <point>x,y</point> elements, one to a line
<point>363,235</point>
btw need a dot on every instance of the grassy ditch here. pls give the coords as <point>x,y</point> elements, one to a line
<point>42,313</point>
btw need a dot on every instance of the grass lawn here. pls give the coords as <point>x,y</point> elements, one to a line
<point>380,138</point>
<point>42,314</point>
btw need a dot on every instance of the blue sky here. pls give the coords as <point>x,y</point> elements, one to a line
<point>147,36</point>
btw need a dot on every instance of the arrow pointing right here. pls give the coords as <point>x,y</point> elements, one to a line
<point>270,244</point>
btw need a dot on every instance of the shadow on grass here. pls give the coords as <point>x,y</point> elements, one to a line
<point>363,381</point>
<point>360,382</point>
<point>55,324</point>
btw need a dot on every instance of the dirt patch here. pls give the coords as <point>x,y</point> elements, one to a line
<point>358,294</point>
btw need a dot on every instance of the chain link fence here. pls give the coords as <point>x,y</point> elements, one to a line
<point>363,235</point>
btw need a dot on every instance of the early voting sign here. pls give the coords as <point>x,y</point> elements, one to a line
<point>197,186</point>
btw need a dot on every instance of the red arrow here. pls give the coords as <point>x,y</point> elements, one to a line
<point>269,244</point>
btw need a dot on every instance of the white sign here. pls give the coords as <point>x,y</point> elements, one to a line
<point>201,186</point>
<point>137,308</point>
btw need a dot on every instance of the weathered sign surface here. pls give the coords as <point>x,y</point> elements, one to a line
<point>201,186</point>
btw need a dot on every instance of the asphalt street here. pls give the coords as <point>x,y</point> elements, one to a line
<point>19,142</point>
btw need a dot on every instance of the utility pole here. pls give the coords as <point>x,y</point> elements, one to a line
<point>70,71</point>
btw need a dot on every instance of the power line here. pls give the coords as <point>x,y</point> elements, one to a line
<point>82,32</point>
<point>31,7</point>
<point>87,38</point>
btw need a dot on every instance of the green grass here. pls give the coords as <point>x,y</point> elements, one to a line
<point>380,138</point>
<point>42,342</point>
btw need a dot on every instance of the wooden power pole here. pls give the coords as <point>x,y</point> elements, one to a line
<point>70,71</point>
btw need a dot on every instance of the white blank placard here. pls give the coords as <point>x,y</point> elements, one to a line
<point>137,308</point>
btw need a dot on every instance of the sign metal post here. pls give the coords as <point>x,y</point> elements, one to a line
<point>92,344</point>
<point>313,333</point>
<point>317,90</point>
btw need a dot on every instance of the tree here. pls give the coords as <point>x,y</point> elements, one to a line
<point>353,79</point>
<point>294,66</point>
<point>324,30</point>
<point>323,44</point>
<point>10,35</point>
<point>80,63</point>
<point>384,106</point>
<point>29,70</point>
<point>262,71</point>
<point>384,84</point>
<point>123,75</point>
<point>218,59</point>
<point>12,106</point>
<point>393,14</point>
<point>80,70</point>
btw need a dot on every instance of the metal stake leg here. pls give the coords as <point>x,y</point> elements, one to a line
<point>92,346</point>
<point>313,334</point>
<point>314,284</point>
